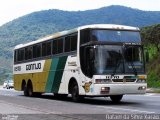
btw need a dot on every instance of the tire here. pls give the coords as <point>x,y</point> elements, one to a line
<point>25,91</point>
<point>30,90</point>
<point>75,93</point>
<point>116,98</point>
<point>24,88</point>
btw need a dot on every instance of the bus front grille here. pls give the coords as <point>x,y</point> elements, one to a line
<point>123,80</point>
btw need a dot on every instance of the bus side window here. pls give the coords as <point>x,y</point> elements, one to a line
<point>84,36</point>
<point>15,56</point>
<point>74,42</point>
<point>44,47</point>
<point>48,45</point>
<point>28,53</point>
<point>37,51</point>
<point>20,55</point>
<point>54,47</point>
<point>67,44</point>
<point>60,45</point>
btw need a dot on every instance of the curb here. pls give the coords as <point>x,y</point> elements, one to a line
<point>153,90</point>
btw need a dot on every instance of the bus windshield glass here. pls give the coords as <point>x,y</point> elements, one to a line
<point>134,60</point>
<point>114,59</point>
<point>108,59</point>
<point>115,36</point>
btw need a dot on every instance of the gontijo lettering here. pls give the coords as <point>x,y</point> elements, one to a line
<point>33,66</point>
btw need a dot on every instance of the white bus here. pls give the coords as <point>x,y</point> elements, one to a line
<point>100,60</point>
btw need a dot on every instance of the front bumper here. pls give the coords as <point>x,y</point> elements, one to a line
<point>117,89</point>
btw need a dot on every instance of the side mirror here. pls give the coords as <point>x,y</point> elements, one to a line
<point>147,57</point>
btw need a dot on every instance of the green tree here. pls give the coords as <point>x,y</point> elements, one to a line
<point>151,35</point>
<point>155,36</point>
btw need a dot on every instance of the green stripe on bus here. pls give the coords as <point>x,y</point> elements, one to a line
<point>51,75</point>
<point>55,74</point>
<point>59,73</point>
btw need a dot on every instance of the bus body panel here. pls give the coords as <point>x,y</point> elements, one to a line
<point>56,71</point>
<point>54,78</point>
<point>48,80</point>
<point>120,89</point>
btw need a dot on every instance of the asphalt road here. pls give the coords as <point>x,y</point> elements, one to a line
<point>14,105</point>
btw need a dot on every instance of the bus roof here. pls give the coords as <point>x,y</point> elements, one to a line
<point>109,26</point>
<point>67,32</point>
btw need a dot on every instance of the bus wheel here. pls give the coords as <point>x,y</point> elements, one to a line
<point>30,89</point>
<point>116,98</point>
<point>25,91</point>
<point>24,88</point>
<point>75,93</point>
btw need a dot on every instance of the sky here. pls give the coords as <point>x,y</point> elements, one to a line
<point>11,9</point>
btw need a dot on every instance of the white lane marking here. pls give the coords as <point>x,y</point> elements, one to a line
<point>153,95</point>
<point>148,95</point>
<point>29,108</point>
<point>124,109</point>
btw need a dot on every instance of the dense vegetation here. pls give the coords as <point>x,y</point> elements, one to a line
<point>38,24</point>
<point>151,39</point>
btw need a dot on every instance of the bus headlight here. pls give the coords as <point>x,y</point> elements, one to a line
<point>141,81</point>
<point>142,88</point>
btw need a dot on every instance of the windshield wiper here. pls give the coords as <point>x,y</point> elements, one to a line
<point>115,69</point>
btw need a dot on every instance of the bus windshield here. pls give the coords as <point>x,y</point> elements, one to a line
<point>115,36</point>
<point>134,60</point>
<point>108,59</point>
<point>114,59</point>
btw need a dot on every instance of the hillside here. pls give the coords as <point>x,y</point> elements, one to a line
<point>32,26</point>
